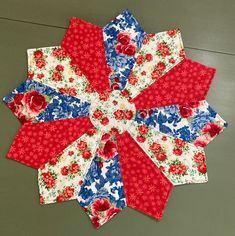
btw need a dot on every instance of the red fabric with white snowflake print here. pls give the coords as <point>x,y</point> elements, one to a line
<point>84,43</point>
<point>189,81</point>
<point>36,143</point>
<point>146,187</point>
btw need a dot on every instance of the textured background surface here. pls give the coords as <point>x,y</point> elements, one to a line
<point>209,37</point>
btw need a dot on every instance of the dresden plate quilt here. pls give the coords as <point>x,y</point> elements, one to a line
<point>114,117</point>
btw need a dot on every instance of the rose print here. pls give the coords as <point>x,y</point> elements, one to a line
<point>143,113</point>
<point>89,89</point>
<point>72,92</point>
<point>140,139</point>
<point>103,96</point>
<point>86,154</point>
<point>41,199</point>
<point>40,63</point>
<point>212,129</point>
<point>123,38</point>
<point>60,198</point>
<point>64,170</point>
<point>63,90</point>
<point>114,131</point>
<point>74,168</point>
<point>28,105</point>
<point>68,192</point>
<point>128,114</point>
<point>100,164</point>
<point>161,66</point>
<point>177,151</point>
<point>119,48</point>
<point>95,221</point>
<point>100,205</point>
<point>59,68</point>
<point>82,145</point>
<point>91,131</point>
<point>132,80</point>
<point>125,93</point>
<point>30,75</point>
<point>56,76</point>
<point>34,102</point>
<point>59,53</point>
<point>125,46</point>
<point>129,50</point>
<point>143,129</point>
<point>172,61</point>
<point>108,151</point>
<point>172,32</point>
<point>200,143</point>
<point>163,49</point>
<point>97,114</point>
<point>185,111</point>
<point>111,212</point>
<point>161,156</point>
<point>105,137</point>
<point>38,54</point>
<point>155,74</point>
<point>155,147</point>
<point>53,160</point>
<point>179,169</point>
<point>71,80</point>
<point>202,168</point>
<point>149,57</point>
<point>179,142</point>
<point>40,76</point>
<point>104,121</point>
<point>49,181</point>
<point>118,115</point>
<point>102,211</point>
<point>139,59</point>
<point>182,53</point>
<point>115,86</point>
<point>199,157</point>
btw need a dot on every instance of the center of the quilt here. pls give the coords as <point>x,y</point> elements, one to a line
<point>112,111</point>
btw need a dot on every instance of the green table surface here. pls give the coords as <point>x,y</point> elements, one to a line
<point>209,37</point>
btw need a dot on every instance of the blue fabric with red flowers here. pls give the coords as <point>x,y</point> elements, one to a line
<point>122,37</point>
<point>59,106</point>
<point>172,120</point>
<point>29,85</point>
<point>103,182</point>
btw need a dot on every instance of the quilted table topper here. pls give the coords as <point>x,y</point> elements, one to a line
<point>114,117</point>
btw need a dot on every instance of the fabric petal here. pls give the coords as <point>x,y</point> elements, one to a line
<point>28,100</point>
<point>179,161</point>
<point>84,43</point>
<point>36,143</point>
<point>146,188</point>
<point>61,178</point>
<point>102,194</point>
<point>123,37</point>
<point>34,101</point>
<point>188,81</point>
<point>159,53</point>
<point>196,123</point>
<point>53,67</point>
